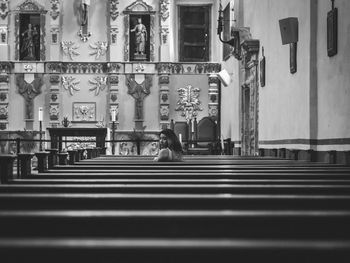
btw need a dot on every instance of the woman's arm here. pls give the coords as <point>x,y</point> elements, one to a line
<point>163,155</point>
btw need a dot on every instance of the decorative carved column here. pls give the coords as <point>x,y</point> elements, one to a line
<point>4,30</point>
<point>250,97</point>
<point>29,91</point>
<point>164,26</point>
<point>54,100</point>
<point>113,97</point>
<point>5,68</point>
<point>213,93</point>
<point>55,38</point>
<point>113,28</point>
<point>164,101</point>
<point>138,92</point>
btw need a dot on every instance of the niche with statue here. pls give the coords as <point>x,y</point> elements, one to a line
<point>30,31</point>
<point>139,23</point>
<point>139,37</point>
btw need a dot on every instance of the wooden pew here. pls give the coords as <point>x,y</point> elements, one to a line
<point>201,210</point>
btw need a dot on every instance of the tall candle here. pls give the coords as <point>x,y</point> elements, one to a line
<point>40,113</point>
<point>180,138</point>
<point>222,144</point>
<point>192,125</point>
<point>113,115</point>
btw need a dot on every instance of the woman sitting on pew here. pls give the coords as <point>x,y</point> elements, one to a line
<point>170,147</point>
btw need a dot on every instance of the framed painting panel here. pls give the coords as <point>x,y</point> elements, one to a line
<point>84,111</point>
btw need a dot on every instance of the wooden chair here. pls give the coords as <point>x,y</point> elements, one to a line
<point>206,137</point>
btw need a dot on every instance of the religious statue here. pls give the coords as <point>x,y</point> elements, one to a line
<point>140,37</point>
<point>29,37</point>
<point>139,92</point>
<point>84,11</point>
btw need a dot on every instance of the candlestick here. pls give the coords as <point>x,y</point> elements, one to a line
<point>222,144</point>
<point>40,113</point>
<point>113,115</point>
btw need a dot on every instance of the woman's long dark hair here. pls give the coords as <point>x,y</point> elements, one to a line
<point>173,142</point>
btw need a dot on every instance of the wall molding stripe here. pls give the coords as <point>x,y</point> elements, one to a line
<point>333,141</point>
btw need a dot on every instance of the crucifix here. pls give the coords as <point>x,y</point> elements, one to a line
<point>138,92</point>
<point>29,91</point>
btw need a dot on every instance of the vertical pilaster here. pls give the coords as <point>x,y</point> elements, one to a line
<point>113,98</point>
<point>54,109</point>
<point>164,20</point>
<point>213,93</point>
<point>55,34</point>
<point>164,101</point>
<point>4,94</point>
<point>113,29</point>
<point>4,29</point>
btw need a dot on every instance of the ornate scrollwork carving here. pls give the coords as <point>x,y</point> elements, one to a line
<point>69,83</point>
<point>54,9</point>
<point>54,112</point>
<point>69,49</point>
<point>30,6</point>
<point>100,49</point>
<point>164,34</point>
<point>3,112</point>
<point>114,9</point>
<point>4,8</point>
<point>99,83</point>
<point>84,37</point>
<point>189,103</point>
<point>164,9</point>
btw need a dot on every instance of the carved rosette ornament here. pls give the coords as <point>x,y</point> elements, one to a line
<point>69,83</point>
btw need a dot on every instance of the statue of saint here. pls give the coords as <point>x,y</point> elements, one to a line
<point>140,37</point>
<point>84,11</point>
<point>28,42</point>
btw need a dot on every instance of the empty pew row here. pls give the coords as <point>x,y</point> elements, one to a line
<point>310,189</point>
<point>81,201</point>
<point>177,215</point>
<point>171,250</point>
<point>304,225</point>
